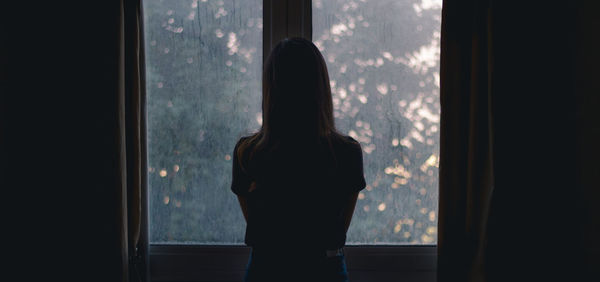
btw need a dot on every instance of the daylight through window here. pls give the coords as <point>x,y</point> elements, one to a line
<point>383,61</point>
<point>203,70</point>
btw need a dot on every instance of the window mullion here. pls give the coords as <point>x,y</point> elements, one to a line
<point>299,22</point>
<point>283,19</point>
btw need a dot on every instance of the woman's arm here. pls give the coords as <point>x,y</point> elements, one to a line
<point>349,210</point>
<point>244,206</point>
<point>244,202</point>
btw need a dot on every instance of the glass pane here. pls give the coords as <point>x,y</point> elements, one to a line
<point>203,68</point>
<point>383,61</point>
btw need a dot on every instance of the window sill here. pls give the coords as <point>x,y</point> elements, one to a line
<point>228,262</point>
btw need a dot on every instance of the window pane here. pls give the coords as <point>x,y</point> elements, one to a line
<point>203,68</point>
<point>383,61</point>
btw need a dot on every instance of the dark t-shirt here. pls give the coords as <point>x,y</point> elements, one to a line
<point>301,193</point>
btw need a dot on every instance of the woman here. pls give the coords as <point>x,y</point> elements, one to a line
<point>297,179</point>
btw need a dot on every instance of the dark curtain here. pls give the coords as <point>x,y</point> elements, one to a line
<point>588,124</point>
<point>73,141</point>
<point>132,122</point>
<point>518,187</point>
<point>466,167</point>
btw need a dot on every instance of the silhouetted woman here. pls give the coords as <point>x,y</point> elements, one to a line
<point>297,179</point>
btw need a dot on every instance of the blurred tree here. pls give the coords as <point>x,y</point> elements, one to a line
<point>203,69</point>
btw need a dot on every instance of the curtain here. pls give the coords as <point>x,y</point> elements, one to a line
<point>132,132</point>
<point>466,159</point>
<point>73,140</point>
<point>589,123</point>
<point>518,168</point>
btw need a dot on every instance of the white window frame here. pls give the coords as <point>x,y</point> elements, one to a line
<point>201,262</point>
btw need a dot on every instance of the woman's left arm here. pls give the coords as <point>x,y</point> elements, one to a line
<point>244,202</point>
<point>244,206</point>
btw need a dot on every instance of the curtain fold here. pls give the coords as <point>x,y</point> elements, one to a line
<point>133,160</point>
<point>466,159</point>
<point>516,156</point>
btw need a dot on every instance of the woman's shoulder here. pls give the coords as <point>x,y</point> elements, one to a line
<point>246,140</point>
<point>346,142</point>
<point>244,145</point>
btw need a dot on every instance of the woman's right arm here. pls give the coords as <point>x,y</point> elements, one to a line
<point>356,180</point>
<point>349,210</point>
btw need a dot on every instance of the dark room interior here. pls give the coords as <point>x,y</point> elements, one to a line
<point>519,172</point>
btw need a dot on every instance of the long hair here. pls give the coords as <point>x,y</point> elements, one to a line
<point>296,100</point>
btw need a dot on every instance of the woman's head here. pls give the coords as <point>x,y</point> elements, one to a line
<point>296,93</point>
<point>297,104</point>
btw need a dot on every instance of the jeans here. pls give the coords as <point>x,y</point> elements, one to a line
<point>284,267</point>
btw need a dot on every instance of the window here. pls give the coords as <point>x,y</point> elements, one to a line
<point>383,62</point>
<point>203,69</point>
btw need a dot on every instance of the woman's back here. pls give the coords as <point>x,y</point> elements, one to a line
<point>297,179</point>
<point>299,193</point>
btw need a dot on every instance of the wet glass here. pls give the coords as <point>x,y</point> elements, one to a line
<point>203,71</point>
<point>383,62</point>
<point>203,68</point>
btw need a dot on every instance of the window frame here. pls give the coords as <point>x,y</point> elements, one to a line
<point>178,262</point>
<point>205,262</point>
